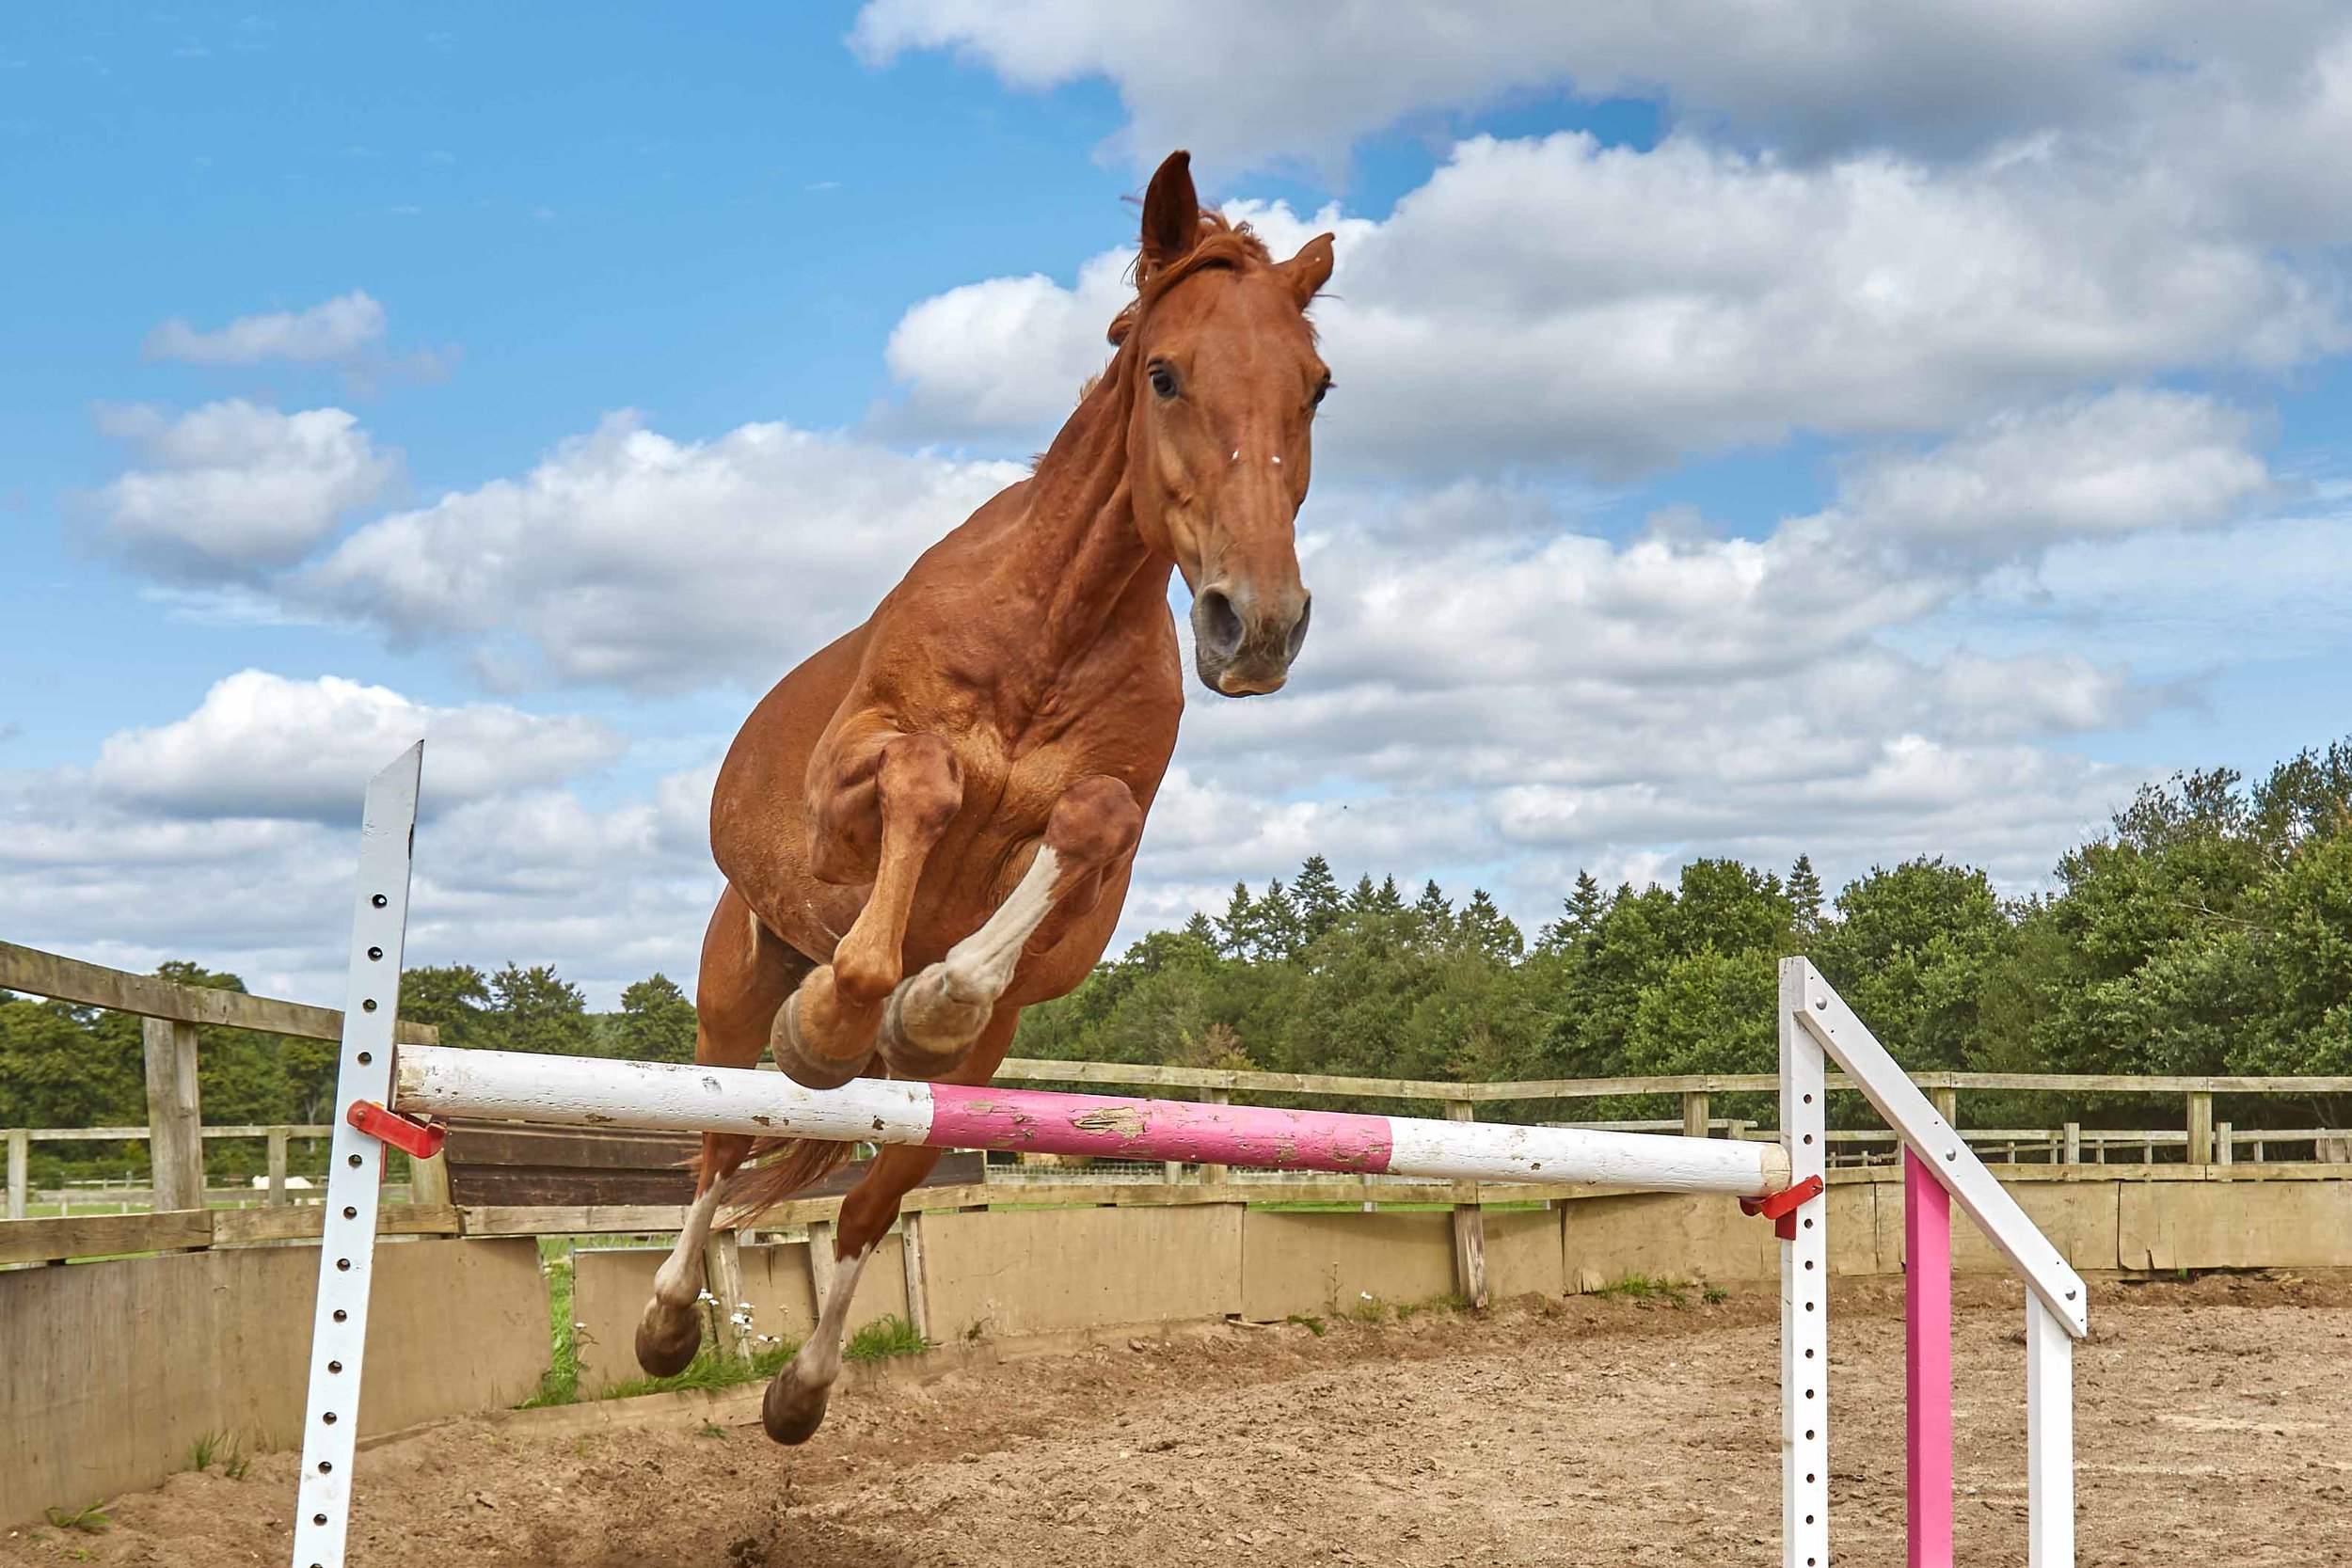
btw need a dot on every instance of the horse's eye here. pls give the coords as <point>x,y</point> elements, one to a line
<point>1163,380</point>
<point>1320,392</point>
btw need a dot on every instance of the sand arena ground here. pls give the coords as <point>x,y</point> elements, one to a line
<point>2212,1427</point>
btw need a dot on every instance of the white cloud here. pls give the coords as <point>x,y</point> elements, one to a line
<point>262,745</point>
<point>629,558</point>
<point>950,351</point>
<point>1557,302</point>
<point>230,835</point>
<point>2130,462</point>
<point>333,330</point>
<point>1243,83</point>
<point>230,488</point>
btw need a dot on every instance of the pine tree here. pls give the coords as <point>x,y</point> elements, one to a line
<point>1435,912</point>
<point>1389,901</point>
<point>1235,928</point>
<point>1803,893</point>
<point>1363,899</point>
<point>1485,929</point>
<point>1317,895</point>
<point>1579,914</point>
<point>1280,931</point>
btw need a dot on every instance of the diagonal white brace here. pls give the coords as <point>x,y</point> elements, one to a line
<point>1824,1014</point>
<point>330,1422</point>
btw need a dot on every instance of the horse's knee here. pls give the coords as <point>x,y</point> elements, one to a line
<point>1095,823</point>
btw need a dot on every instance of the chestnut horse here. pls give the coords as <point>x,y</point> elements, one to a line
<point>930,824</point>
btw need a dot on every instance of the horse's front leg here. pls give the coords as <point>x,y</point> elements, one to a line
<point>877,805</point>
<point>932,1019</point>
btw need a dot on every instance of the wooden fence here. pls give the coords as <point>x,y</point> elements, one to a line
<point>175,1132</point>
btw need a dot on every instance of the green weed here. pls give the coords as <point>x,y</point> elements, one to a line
<point>89,1521</point>
<point>1312,1325</point>
<point>1642,1287</point>
<point>885,1338</point>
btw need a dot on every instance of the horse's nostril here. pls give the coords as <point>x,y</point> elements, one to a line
<point>1220,623</point>
<point>1298,630</point>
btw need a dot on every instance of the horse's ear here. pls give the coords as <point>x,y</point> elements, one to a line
<point>1310,270</point>
<point>1171,215</point>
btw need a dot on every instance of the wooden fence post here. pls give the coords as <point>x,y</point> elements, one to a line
<point>2223,1153</point>
<point>276,1167</point>
<point>918,1297</point>
<point>175,1142</point>
<point>2073,1143</point>
<point>20,1167</point>
<point>1694,1113</point>
<point>1946,1103</point>
<point>1213,1174</point>
<point>428,1181</point>
<point>1470,1224</point>
<point>723,1277</point>
<point>2201,1129</point>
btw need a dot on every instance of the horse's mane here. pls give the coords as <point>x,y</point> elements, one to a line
<point>1223,245</point>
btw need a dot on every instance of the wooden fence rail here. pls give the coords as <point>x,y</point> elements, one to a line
<point>175,1132</point>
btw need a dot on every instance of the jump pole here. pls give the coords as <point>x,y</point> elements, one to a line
<point>443,1082</point>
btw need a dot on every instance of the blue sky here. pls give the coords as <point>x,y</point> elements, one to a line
<point>1897,436</point>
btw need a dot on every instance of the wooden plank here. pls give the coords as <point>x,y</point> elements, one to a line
<point>575,1220</point>
<point>306,1223</point>
<point>103,1235</point>
<point>19,1152</point>
<point>88,985</point>
<point>174,1140</point>
<point>2201,1129</point>
<point>1470,1224</point>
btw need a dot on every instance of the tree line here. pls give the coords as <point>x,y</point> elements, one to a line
<point>2208,930</point>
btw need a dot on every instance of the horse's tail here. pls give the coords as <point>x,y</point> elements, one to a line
<point>777,1170</point>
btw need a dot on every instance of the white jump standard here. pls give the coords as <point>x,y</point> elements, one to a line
<point>378,1093</point>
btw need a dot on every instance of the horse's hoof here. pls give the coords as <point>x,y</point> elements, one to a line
<point>924,1060</point>
<point>797,1061</point>
<point>667,1338</point>
<point>792,1410</point>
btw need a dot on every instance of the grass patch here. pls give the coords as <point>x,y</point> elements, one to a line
<point>1312,1325</point>
<point>1643,1287</point>
<point>885,1338</point>
<point>559,1383</point>
<point>89,1521</point>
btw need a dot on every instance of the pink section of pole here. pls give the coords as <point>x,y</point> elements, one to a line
<point>1928,1365</point>
<point>1032,1120</point>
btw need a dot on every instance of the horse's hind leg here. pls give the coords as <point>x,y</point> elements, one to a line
<point>795,1403</point>
<point>746,974</point>
<point>934,1018</point>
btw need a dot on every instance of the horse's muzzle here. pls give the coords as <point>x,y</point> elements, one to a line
<point>1243,642</point>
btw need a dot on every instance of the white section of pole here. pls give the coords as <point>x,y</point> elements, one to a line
<point>339,1337</point>
<point>1804,1290</point>
<point>590,1091</point>
<point>1499,1151</point>
<point>2049,1438</point>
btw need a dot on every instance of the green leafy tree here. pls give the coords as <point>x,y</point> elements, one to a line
<point>536,1009</point>
<point>657,1021</point>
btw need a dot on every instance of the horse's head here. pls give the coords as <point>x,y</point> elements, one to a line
<point>1225,383</point>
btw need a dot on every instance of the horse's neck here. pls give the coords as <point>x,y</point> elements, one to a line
<point>1080,554</point>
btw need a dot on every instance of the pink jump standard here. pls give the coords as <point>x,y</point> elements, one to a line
<point>1928,1371</point>
<point>379,1090</point>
